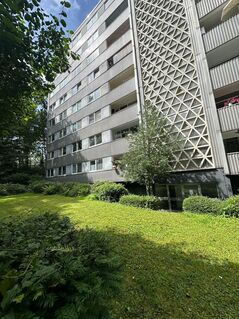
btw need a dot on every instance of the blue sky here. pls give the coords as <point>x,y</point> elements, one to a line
<point>76,14</point>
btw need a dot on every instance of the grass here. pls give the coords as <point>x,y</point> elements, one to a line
<point>177,266</point>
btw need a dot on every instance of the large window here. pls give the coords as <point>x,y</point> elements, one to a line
<point>95,140</point>
<point>76,107</point>
<point>232,145</point>
<point>76,88</point>
<point>50,172</point>
<point>62,170</point>
<point>125,132</point>
<point>63,98</point>
<point>76,126</point>
<point>77,146</point>
<point>94,117</point>
<point>62,115</point>
<point>93,75</point>
<point>94,95</point>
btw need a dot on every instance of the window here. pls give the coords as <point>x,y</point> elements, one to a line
<point>92,56</point>
<point>51,155</point>
<point>63,151</point>
<point>76,88</point>
<point>125,132</point>
<point>116,13</point>
<point>93,75</point>
<point>77,146</point>
<point>76,107</point>
<point>93,38</point>
<point>51,138</point>
<point>62,132</point>
<point>74,168</point>
<point>94,95</point>
<point>52,122</point>
<point>95,139</point>
<point>91,118</point>
<point>96,165</point>
<point>232,145</point>
<point>79,168</point>
<point>62,170</point>
<point>51,107</point>
<point>94,117</point>
<point>63,98</point>
<point>50,172</point>
<point>92,21</point>
<point>62,115</point>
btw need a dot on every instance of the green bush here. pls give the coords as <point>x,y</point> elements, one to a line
<point>150,202</point>
<point>48,269</point>
<point>202,204</point>
<point>110,192</point>
<point>76,189</point>
<point>230,206</point>
<point>53,189</point>
<point>21,178</point>
<point>12,189</point>
<point>39,186</point>
<point>96,185</point>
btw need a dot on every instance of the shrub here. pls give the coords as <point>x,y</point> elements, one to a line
<point>202,204</point>
<point>150,202</point>
<point>76,189</point>
<point>110,192</point>
<point>95,186</point>
<point>230,206</point>
<point>55,271</point>
<point>39,186</point>
<point>12,189</point>
<point>53,189</point>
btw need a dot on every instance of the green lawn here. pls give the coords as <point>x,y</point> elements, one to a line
<point>176,265</point>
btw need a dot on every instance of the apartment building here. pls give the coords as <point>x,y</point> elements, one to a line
<point>94,106</point>
<point>179,55</point>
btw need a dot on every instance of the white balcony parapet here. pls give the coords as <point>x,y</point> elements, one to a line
<point>233,161</point>
<point>225,74</point>
<point>222,33</point>
<point>206,6</point>
<point>229,117</point>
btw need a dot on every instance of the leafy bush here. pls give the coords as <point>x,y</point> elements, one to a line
<point>150,202</point>
<point>96,185</point>
<point>53,189</point>
<point>39,186</point>
<point>21,178</point>
<point>110,192</point>
<point>48,269</point>
<point>202,204</point>
<point>76,189</point>
<point>12,189</point>
<point>230,206</point>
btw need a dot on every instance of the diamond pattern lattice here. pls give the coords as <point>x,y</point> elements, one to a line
<point>170,78</point>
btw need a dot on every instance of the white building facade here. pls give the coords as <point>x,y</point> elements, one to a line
<point>178,55</point>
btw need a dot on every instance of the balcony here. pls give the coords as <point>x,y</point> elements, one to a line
<point>206,6</point>
<point>221,34</point>
<point>233,162</point>
<point>229,117</point>
<point>225,74</point>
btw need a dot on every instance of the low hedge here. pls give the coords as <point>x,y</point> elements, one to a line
<point>12,189</point>
<point>54,270</point>
<point>67,189</point>
<point>150,202</point>
<point>230,206</point>
<point>109,191</point>
<point>202,205</point>
<point>76,189</point>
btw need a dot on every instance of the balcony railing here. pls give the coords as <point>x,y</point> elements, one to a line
<point>229,117</point>
<point>225,74</point>
<point>221,34</point>
<point>206,6</point>
<point>233,162</point>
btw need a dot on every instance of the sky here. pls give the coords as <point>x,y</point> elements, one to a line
<point>76,14</point>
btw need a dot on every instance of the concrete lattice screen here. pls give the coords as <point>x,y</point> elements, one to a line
<point>170,79</point>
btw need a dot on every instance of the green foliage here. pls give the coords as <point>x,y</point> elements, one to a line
<point>21,178</point>
<point>12,189</point>
<point>35,47</point>
<point>53,189</point>
<point>109,191</point>
<point>150,150</point>
<point>76,189</point>
<point>38,186</point>
<point>202,204</point>
<point>230,206</point>
<point>48,269</point>
<point>151,202</point>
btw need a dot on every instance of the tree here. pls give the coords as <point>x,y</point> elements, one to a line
<point>150,150</point>
<point>34,48</point>
<point>24,149</point>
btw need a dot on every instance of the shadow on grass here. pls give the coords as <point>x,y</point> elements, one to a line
<point>165,281</point>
